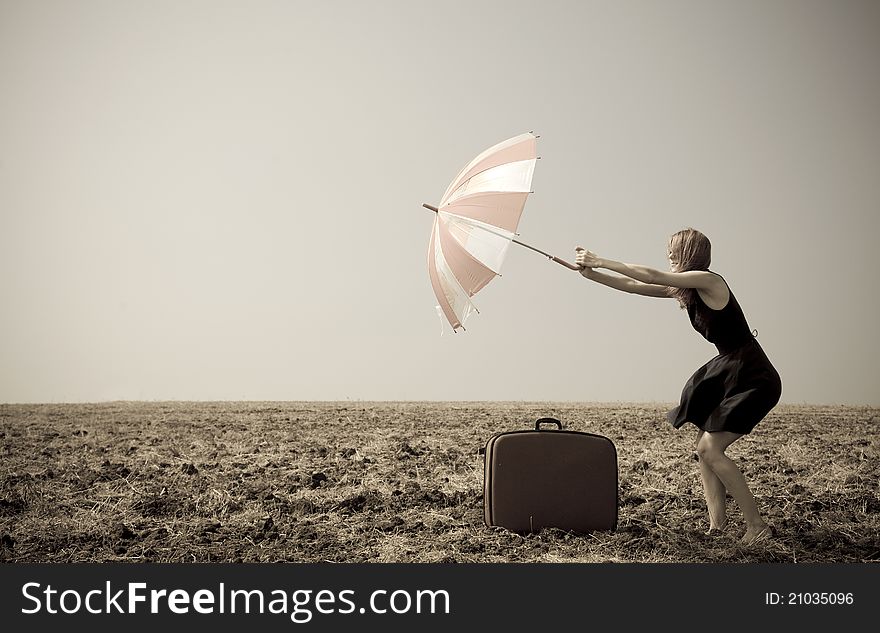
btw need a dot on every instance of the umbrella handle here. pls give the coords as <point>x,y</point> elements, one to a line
<point>566,264</point>
<point>549,256</point>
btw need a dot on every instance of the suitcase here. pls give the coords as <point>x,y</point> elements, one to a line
<point>550,478</point>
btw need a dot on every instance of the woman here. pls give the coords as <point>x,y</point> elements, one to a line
<point>726,397</point>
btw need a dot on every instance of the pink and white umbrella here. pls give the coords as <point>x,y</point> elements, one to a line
<point>476,222</point>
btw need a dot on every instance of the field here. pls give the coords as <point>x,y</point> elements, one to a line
<point>402,482</point>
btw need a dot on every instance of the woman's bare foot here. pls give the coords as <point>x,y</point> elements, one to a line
<point>716,530</point>
<point>756,533</point>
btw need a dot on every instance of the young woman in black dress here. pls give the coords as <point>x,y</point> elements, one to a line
<point>730,394</point>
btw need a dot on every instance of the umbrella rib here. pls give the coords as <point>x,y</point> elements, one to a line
<point>489,228</point>
<point>469,254</point>
<point>515,241</point>
<point>443,270</point>
<point>505,145</point>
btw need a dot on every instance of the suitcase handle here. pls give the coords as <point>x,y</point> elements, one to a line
<point>547,421</point>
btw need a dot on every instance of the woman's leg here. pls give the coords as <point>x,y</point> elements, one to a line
<point>710,449</point>
<point>716,494</point>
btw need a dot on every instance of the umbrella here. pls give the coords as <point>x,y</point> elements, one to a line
<point>476,222</point>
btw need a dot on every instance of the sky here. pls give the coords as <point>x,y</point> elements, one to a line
<point>215,200</point>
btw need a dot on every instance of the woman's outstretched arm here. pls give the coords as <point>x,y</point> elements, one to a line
<point>625,284</point>
<point>701,279</point>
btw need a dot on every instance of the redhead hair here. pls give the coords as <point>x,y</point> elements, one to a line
<point>693,251</point>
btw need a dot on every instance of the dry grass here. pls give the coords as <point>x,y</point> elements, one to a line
<point>402,482</point>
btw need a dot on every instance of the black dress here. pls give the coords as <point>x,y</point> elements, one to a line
<point>737,388</point>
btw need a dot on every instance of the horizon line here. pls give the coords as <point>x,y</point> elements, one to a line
<point>406,401</point>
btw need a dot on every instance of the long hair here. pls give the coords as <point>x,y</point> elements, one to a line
<point>693,250</point>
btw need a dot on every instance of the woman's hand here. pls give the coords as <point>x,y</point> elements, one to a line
<point>580,256</point>
<point>587,259</point>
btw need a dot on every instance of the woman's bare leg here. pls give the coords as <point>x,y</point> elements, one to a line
<point>716,494</point>
<point>710,449</point>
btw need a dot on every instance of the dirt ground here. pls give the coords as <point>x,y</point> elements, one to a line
<point>402,482</point>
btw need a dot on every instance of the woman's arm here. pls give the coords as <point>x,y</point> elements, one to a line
<point>700,279</point>
<point>627,285</point>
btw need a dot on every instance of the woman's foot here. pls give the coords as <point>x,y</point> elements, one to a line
<point>716,530</point>
<point>756,533</point>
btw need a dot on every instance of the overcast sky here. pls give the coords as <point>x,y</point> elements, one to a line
<point>204,200</point>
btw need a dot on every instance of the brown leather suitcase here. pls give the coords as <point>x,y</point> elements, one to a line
<point>550,478</point>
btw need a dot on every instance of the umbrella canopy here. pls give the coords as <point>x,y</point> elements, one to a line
<point>476,221</point>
